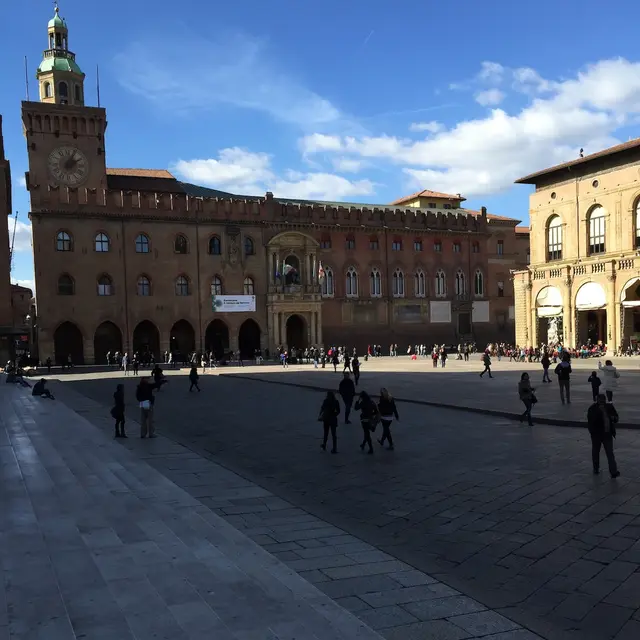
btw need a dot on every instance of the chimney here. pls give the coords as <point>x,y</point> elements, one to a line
<point>483,211</point>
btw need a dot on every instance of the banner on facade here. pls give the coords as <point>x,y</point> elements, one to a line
<point>440,312</point>
<point>233,304</point>
<point>480,311</point>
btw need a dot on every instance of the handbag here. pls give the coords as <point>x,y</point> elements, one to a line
<point>533,398</point>
<point>145,404</point>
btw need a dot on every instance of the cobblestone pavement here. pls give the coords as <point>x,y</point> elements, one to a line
<point>507,515</point>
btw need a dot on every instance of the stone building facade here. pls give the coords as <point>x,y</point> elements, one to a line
<point>583,283</point>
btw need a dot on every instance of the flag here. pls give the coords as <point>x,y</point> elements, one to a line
<point>287,269</point>
<point>321,273</point>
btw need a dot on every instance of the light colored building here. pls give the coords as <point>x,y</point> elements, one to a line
<point>583,283</point>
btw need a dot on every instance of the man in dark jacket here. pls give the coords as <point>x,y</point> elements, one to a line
<point>602,418</point>
<point>563,371</point>
<point>347,391</point>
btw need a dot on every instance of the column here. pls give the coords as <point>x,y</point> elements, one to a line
<point>528,304</point>
<point>307,266</point>
<point>568,320</point>
<point>612,320</point>
<point>314,338</point>
<point>309,328</point>
<point>320,338</point>
<point>273,266</point>
<point>534,338</point>
<point>276,328</point>
<point>314,270</point>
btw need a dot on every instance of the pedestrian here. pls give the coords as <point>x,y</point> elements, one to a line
<point>335,360</point>
<point>563,371</point>
<point>355,366</point>
<point>369,418</point>
<point>193,378</point>
<point>595,382</point>
<point>610,375</point>
<point>136,364</point>
<point>388,411</point>
<point>347,363</point>
<point>601,419</point>
<point>144,396</point>
<point>545,361</point>
<point>125,364</point>
<point>443,357</point>
<point>39,388</point>
<point>527,396</point>
<point>434,358</point>
<point>117,411</point>
<point>486,360</point>
<point>329,412</point>
<point>347,391</point>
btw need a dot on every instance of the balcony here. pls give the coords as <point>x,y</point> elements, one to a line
<point>59,53</point>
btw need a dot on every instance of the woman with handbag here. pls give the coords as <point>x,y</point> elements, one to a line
<point>387,409</point>
<point>329,412</point>
<point>369,418</point>
<point>526,393</point>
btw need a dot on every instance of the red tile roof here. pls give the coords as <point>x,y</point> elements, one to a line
<point>429,194</point>
<point>625,146</point>
<point>522,230</point>
<point>491,216</point>
<point>141,173</point>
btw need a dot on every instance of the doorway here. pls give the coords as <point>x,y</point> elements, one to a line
<point>249,339</point>
<point>182,340</point>
<point>67,341</point>
<point>296,332</point>
<point>216,338</point>
<point>146,341</point>
<point>108,338</point>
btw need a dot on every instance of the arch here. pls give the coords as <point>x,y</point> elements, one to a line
<point>351,289</point>
<point>296,331</point>
<point>63,89</point>
<point>291,269</point>
<point>77,93</point>
<point>554,238</point>
<point>182,286</point>
<point>105,285</point>
<point>249,338</point>
<point>64,241</point>
<point>398,283</point>
<point>143,286</point>
<point>146,340</point>
<point>298,237</point>
<point>216,338</point>
<point>596,227</point>
<point>461,283</point>
<point>67,341</point>
<point>217,287</point>
<point>107,337</point>
<point>102,244</point>
<point>249,246</point>
<point>142,243</point>
<point>590,296</point>
<point>549,302</point>
<point>327,283</point>
<point>636,219</point>
<point>66,285</point>
<point>375,283</point>
<point>215,246</point>
<point>440,282</point>
<point>420,284</point>
<point>182,338</point>
<point>181,244</point>
<point>478,283</point>
<point>630,294</point>
<point>248,286</point>
<point>48,93</point>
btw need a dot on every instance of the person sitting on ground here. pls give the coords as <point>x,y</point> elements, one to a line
<point>39,389</point>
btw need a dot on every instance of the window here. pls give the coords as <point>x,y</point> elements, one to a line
<point>327,284</point>
<point>475,247</point>
<point>215,246</point>
<point>180,244</point>
<point>63,241</point>
<point>432,205</point>
<point>102,243</point>
<point>66,285</point>
<point>596,230</point>
<point>352,283</point>
<point>500,289</point>
<point>142,244</point>
<point>396,245</point>
<point>350,243</point>
<point>500,248</point>
<point>249,288</point>
<point>440,284</point>
<point>375,283</point>
<point>398,284</point>
<point>417,245</point>
<point>77,93</point>
<point>447,205</point>
<point>325,243</point>
<point>374,244</point>
<point>249,247</point>
<point>478,283</point>
<point>63,89</point>
<point>105,286</point>
<point>419,284</point>
<point>47,90</point>
<point>554,239</point>
<point>144,286</point>
<point>437,246</point>
<point>182,286</point>
<point>216,286</point>
<point>456,247</point>
<point>638,225</point>
<point>461,285</point>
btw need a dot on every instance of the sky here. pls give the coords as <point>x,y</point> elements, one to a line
<point>359,101</point>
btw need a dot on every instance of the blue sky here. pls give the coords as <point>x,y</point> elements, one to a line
<point>357,101</point>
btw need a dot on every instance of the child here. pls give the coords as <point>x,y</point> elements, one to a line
<point>595,384</point>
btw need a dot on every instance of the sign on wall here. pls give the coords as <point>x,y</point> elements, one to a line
<point>233,304</point>
<point>480,311</point>
<point>440,312</point>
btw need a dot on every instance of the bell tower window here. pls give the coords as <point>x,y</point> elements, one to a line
<point>63,90</point>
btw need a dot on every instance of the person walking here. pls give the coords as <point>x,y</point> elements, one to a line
<point>193,378</point>
<point>563,371</point>
<point>355,365</point>
<point>125,364</point>
<point>335,359</point>
<point>486,360</point>
<point>369,417</point>
<point>347,391</point>
<point>144,396</point>
<point>595,382</point>
<point>610,378</point>
<point>545,361</point>
<point>443,357</point>
<point>601,420</point>
<point>527,396</point>
<point>346,362</point>
<point>117,412</point>
<point>388,411</point>
<point>48,365</point>
<point>329,412</point>
<point>135,363</point>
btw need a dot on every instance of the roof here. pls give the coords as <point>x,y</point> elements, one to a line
<point>57,21</point>
<point>625,146</point>
<point>522,230</point>
<point>63,62</point>
<point>425,193</point>
<point>491,216</point>
<point>17,287</point>
<point>141,173</point>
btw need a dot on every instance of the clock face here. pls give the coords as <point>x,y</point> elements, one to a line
<point>68,166</point>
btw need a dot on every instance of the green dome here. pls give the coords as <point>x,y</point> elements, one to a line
<point>57,21</point>
<point>59,64</point>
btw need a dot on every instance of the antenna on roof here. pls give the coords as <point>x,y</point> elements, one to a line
<point>26,76</point>
<point>98,82</point>
<point>582,153</point>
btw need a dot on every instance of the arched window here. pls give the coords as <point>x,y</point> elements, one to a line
<point>144,286</point>
<point>554,238</point>
<point>420,284</point>
<point>440,282</point>
<point>105,285</point>
<point>216,286</point>
<point>350,243</point>
<point>142,244</point>
<point>475,247</point>
<point>77,93</point>
<point>596,221</point>
<point>64,241</point>
<point>327,285</point>
<point>182,286</point>
<point>478,283</point>
<point>102,242</point>
<point>180,244</point>
<point>47,90</point>
<point>215,246</point>
<point>352,283</point>
<point>63,89</point>
<point>398,284</point>
<point>638,224</point>
<point>249,287</point>
<point>375,283</point>
<point>66,285</point>
<point>461,284</point>
<point>457,247</point>
<point>249,247</point>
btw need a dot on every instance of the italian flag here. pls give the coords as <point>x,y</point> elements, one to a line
<point>321,273</point>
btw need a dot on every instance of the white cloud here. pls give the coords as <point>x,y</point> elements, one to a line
<point>491,72</point>
<point>489,97</point>
<point>318,142</point>
<point>22,240</point>
<point>431,127</point>
<point>322,186</point>
<point>22,181</point>
<point>349,165</point>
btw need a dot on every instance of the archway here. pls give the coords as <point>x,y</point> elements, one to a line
<point>216,338</point>
<point>296,332</point>
<point>146,341</point>
<point>182,340</point>
<point>591,315</point>
<point>106,338</point>
<point>67,341</point>
<point>549,311</point>
<point>630,300</point>
<point>249,339</point>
